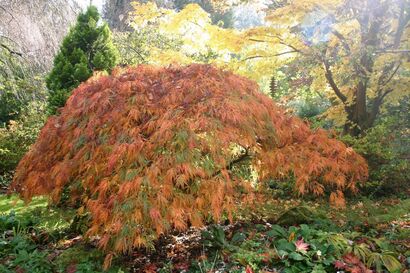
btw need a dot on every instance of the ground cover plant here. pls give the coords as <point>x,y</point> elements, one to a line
<point>331,242</point>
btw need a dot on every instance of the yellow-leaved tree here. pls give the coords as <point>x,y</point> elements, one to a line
<point>197,39</point>
<point>358,52</point>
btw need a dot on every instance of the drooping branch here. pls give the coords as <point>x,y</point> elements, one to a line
<point>11,51</point>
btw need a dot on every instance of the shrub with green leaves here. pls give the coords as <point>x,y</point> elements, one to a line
<point>18,252</point>
<point>17,137</point>
<point>386,147</point>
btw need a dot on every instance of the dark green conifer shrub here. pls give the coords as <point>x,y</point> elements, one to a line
<point>88,47</point>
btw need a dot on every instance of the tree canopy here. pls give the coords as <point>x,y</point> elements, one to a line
<point>148,149</point>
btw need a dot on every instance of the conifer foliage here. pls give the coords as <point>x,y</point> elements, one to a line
<point>148,149</point>
<point>87,47</point>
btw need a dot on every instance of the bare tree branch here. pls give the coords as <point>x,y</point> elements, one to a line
<point>392,74</point>
<point>398,51</point>
<point>269,56</point>
<point>342,40</point>
<point>11,51</point>
<point>332,83</point>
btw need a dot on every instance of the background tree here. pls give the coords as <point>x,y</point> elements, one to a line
<point>357,53</point>
<point>117,12</point>
<point>87,47</point>
<point>12,74</point>
<point>190,36</point>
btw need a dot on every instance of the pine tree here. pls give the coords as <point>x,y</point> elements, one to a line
<point>88,47</point>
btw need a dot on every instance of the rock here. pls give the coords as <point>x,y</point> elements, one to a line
<point>36,28</point>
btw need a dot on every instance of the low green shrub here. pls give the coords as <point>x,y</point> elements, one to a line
<point>84,259</point>
<point>16,138</point>
<point>386,146</point>
<point>298,249</point>
<point>18,252</point>
<point>389,170</point>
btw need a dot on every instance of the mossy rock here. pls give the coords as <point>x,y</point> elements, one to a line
<point>299,215</point>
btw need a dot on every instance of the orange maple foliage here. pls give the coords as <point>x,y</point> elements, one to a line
<point>148,149</point>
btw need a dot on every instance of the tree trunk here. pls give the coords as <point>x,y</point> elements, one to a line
<point>357,115</point>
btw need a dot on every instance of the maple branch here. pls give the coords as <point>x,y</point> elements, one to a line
<point>332,83</point>
<point>280,42</point>
<point>342,39</point>
<point>382,82</point>
<point>270,56</point>
<point>241,158</point>
<point>385,94</point>
<point>137,52</point>
<point>377,102</point>
<point>392,74</point>
<point>258,40</point>
<point>291,46</point>
<point>380,96</point>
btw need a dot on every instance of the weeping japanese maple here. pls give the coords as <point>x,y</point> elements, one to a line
<point>148,149</point>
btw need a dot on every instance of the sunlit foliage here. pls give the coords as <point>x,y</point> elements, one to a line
<point>199,40</point>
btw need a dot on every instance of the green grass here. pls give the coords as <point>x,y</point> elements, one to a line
<point>86,259</point>
<point>47,217</point>
<point>14,203</point>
